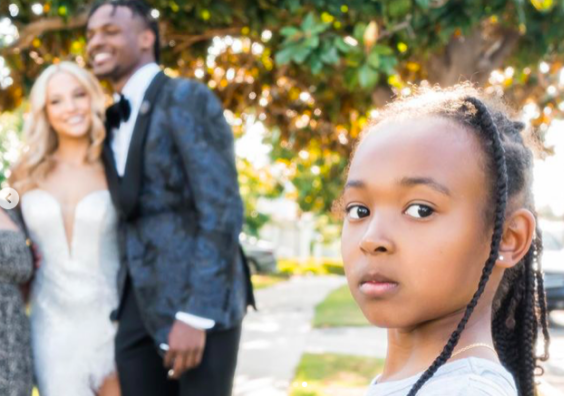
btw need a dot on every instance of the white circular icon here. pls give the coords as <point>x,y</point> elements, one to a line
<point>9,198</point>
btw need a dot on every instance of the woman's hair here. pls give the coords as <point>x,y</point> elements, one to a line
<point>519,307</point>
<point>40,138</point>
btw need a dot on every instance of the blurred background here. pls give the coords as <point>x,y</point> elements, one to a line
<point>299,80</point>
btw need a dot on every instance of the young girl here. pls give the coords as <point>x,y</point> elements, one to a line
<point>438,186</point>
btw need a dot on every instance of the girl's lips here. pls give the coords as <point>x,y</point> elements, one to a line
<point>377,289</point>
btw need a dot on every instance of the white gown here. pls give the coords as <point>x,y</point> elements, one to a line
<point>73,293</point>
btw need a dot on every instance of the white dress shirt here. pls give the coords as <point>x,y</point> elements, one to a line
<point>134,91</point>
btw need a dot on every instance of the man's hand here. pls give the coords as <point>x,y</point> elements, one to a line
<point>186,348</point>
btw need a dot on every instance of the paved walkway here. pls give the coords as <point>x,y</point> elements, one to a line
<point>275,337</point>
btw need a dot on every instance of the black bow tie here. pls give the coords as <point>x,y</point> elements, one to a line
<point>118,112</point>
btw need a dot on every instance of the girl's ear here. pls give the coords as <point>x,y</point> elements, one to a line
<point>517,237</point>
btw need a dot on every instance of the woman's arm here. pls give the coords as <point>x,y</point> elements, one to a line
<point>6,223</point>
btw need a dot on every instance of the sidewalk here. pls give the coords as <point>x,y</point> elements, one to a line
<point>275,337</point>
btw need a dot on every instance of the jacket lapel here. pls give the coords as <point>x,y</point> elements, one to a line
<point>112,176</point>
<point>130,185</point>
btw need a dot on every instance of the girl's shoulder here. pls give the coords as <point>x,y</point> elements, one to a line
<point>481,377</point>
<point>464,377</point>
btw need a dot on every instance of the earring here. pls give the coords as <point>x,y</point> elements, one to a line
<point>500,257</point>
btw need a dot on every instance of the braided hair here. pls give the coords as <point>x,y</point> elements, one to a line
<point>138,8</point>
<point>519,307</point>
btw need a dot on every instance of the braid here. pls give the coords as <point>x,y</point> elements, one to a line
<point>490,131</point>
<point>541,296</point>
<point>519,306</point>
<point>517,319</point>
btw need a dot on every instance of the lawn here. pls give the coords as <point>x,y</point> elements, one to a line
<point>260,281</point>
<point>339,310</point>
<point>334,374</point>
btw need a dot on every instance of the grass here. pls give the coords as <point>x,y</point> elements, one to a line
<point>261,281</point>
<point>339,310</point>
<point>333,374</point>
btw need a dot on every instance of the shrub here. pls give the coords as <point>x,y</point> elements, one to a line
<point>311,266</point>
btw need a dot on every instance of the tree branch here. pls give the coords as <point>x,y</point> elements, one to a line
<point>37,28</point>
<point>188,41</point>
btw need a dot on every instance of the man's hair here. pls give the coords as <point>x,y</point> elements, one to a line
<point>138,8</point>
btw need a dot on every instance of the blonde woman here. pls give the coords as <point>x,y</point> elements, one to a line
<point>70,217</point>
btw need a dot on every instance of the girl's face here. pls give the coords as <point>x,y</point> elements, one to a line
<point>68,106</point>
<point>415,238</point>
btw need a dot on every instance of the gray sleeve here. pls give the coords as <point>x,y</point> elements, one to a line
<point>16,263</point>
<point>476,385</point>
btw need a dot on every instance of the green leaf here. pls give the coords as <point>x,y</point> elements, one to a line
<point>300,54</point>
<point>374,60</point>
<point>330,56</point>
<point>423,4</point>
<point>520,4</point>
<point>290,31</point>
<point>354,59</point>
<point>284,56</point>
<point>367,76</point>
<point>316,65</point>
<point>358,32</point>
<point>382,50</point>
<point>399,8</point>
<point>319,28</point>
<point>311,42</point>
<point>340,44</point>
<point>351,78</point>
<point>388,64</point>
<point>293,5</point>
<point>308,23</point>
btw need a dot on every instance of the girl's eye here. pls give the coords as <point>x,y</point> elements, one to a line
<point>357,212</point>
<point>419,211</point>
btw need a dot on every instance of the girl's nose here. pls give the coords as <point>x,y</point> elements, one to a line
<point>374,241</point>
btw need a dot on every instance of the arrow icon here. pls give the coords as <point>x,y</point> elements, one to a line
<point>9,198</point>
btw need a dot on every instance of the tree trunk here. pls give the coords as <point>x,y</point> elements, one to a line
<point>472,57</point>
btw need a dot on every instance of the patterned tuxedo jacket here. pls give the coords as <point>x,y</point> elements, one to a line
<point>181,211</point>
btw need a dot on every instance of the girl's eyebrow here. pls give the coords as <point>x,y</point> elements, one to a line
<point>355,184</point>
<point>426,181</point>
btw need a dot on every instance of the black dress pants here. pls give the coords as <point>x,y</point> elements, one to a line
<point>140,366</point>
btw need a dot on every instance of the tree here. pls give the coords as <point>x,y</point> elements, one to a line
<point>313,70</point>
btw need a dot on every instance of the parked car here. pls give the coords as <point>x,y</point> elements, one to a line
<point>260,255</point>
<point>553,267</point>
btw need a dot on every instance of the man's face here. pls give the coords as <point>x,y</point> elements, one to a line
<point>117,41</point>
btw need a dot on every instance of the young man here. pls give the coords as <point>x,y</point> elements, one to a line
<point>170,164</point>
